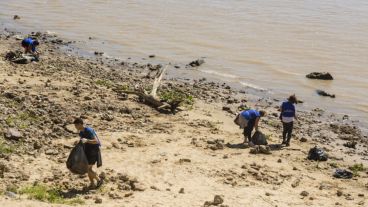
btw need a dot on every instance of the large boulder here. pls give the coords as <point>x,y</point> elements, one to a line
<point>320,76</point>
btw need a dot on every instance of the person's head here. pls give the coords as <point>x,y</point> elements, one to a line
<point>24,44</point>
<point>262,113</point>
<point>293,99</point>
<point>78,123</point>
<point>36,43</point>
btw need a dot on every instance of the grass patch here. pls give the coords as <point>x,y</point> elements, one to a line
<point>106,83</point>
<point>175,96</point>
<point>5,148</point>
<point>334,165</point>
<point>356,168</point>
<point>22,120</point>
<point>50,195</point>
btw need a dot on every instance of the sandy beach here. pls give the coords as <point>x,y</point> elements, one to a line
<point>160,159</point>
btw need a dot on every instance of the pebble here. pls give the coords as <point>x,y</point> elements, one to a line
<point>98,200</point>
<point>304,193</point>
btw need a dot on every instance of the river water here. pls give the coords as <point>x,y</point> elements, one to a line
<point>268,45</point>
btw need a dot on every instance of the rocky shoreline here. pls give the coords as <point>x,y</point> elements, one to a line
<point>151,158</point>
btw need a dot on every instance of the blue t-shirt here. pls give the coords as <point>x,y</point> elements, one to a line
<point>89,133</point>
<point>250,114</point>
<point>288,109</point>
<point>29,42</point>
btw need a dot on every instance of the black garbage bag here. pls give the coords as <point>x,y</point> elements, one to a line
<point>317,154</point>
<point>259,138</point>
<point>77,161</point>
<point>344,174</point>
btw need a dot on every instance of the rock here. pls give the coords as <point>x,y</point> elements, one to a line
<point>13,134</point>
<point>217,200</point>
<point>107,117</point>
<point>259,149</point>
<point>181,190</point>
<point>37,145</point>
<point>184,160</point>
<point>99,53</point>
<point>51,152</point>
<point>70,128</point>
<point>295,183</point>
<point>323,93</point>
<point>196,63</point>
<point>16,17</point>
<point>339,193</point>
<point>138,187</point>
<point>10,194</point>
<point>320,76</point>
<point>227,109</point>
<point>304,193</point>
<point>303,139</point>
<point>279,161</point>
<point>152,56</point>
<point>98,200</point>
<point>9,95</point>
<point>115,145</point>
<point>350,144</point>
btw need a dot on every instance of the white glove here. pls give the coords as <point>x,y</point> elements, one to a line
<point>84,140</point>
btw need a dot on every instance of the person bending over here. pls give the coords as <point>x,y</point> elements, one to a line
<point>30,45</point>
<point>249,119</point>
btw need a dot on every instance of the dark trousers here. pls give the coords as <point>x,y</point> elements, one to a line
<point>286,134</point>
<point>248,130</point>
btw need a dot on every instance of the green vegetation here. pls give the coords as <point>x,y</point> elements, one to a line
<point>176,97</point>
<point>51,195</point>
<point>106,83</point>
<point>5,148</point>
<point>334,165</point>
<point>243,107</point>
<point>356,168</point>
<point>22,120</point>
<point>119,87</point>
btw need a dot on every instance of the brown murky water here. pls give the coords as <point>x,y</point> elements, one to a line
<point>263,44</point>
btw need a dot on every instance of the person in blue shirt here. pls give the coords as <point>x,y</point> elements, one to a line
<point>29,44</point>
<point>287,116</point>
<point>250,121</point>
<point>92,149</point>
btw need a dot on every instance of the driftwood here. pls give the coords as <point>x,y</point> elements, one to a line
<point>151,98</point>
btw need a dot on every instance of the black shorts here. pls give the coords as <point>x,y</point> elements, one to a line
<point>92,152</point>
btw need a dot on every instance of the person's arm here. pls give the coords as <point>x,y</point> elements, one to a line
<point>281,111</point>
<point>256,123</point>
<point>92,140</point>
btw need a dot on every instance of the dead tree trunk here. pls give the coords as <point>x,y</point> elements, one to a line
<point>151,98</point>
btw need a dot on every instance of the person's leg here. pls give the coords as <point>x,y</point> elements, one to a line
<point>250,127</point>
<point>284,131</point>
<point>289,131</point>
<point>92,175</point>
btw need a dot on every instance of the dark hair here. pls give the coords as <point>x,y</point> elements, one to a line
<point>293,99</point>
<point>36,43</point>
<point>24,44</point>
<point>78,121</point>
<point>262,112</point>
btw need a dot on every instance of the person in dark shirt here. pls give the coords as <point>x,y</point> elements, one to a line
<point>287,117</point>
<point>29,44</point>
<point>92,149</point>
